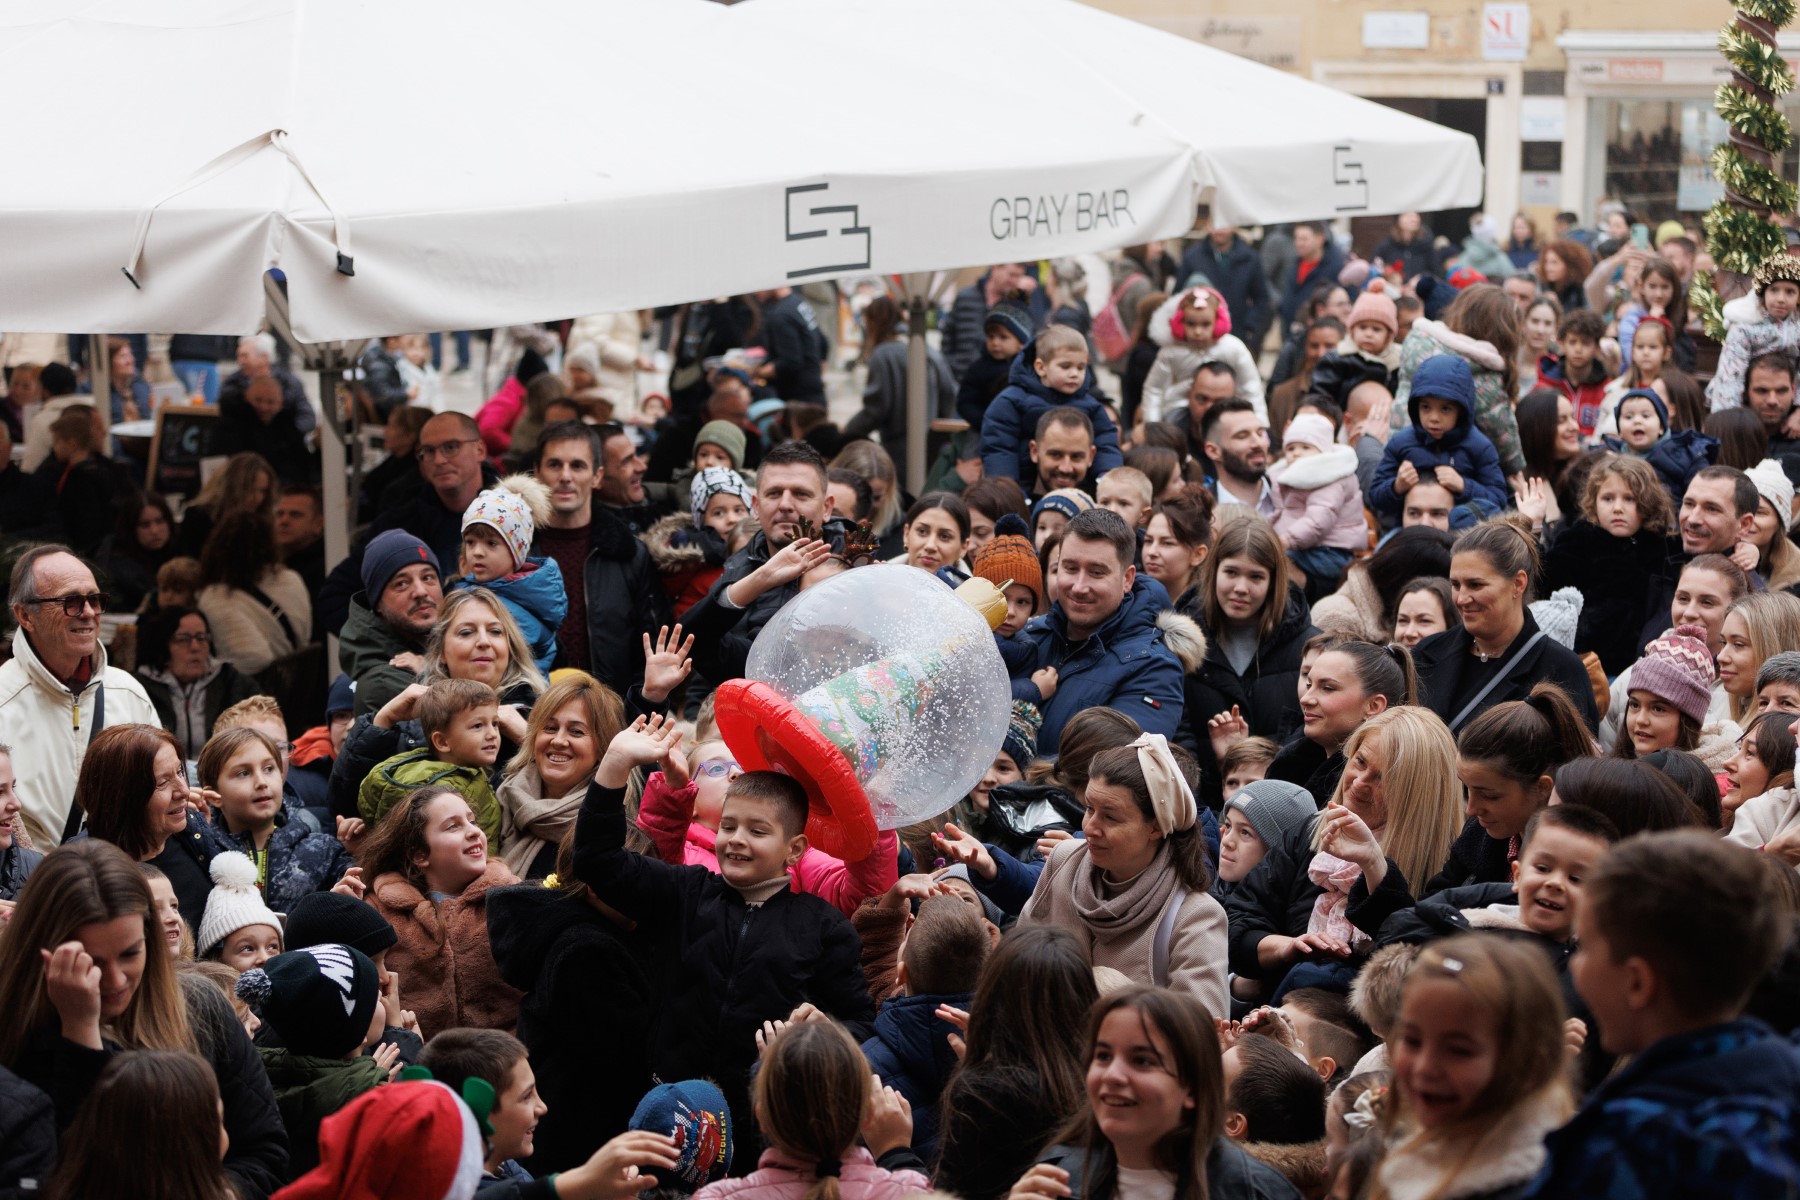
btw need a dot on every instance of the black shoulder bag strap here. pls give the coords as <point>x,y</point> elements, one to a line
<point>263,598</point>
<point>77,818</point>
<point>1505,670</point>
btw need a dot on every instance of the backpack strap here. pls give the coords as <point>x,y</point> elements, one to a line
<point>1165,932</point>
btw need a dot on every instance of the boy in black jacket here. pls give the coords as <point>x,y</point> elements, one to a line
<point>728,951</point>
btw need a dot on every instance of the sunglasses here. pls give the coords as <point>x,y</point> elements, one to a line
<point>73,604</point>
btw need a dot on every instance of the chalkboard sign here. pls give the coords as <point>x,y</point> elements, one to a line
<point>183,437</point>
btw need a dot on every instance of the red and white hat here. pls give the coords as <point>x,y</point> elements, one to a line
<point>400,1141</point>
<point>514,509</point>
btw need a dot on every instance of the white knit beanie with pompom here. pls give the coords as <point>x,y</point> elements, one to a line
<point>234,903</point>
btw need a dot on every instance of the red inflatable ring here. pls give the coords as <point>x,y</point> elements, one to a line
<point>766,733</point>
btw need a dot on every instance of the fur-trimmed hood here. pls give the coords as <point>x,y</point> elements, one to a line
<point>1303,1165</point>
<point>1510,1153</point>
<point>1184,638</point>
<point>1315,470</point>
<point>674,543</point>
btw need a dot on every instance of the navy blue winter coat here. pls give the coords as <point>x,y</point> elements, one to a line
<point>1124,665</point>
<point>911,1052</point>
<point>1010,423</point>
<point>303,856</point>
<point>1463,446</point>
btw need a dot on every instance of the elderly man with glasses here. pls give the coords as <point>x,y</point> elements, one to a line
<point>57,691</point>
<point>452,464</point>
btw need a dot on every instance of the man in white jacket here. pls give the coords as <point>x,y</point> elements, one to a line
<point>57,690</point>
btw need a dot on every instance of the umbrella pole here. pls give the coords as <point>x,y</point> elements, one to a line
<point>100,378</point>
<point>333,455</point>
<point>918,421</point>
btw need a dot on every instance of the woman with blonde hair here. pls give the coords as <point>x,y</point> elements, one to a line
<point>569,728</point>
<point>83,978</point>
<point>1760,624</point>
<point>874,465</point>
<point>1308,912</point>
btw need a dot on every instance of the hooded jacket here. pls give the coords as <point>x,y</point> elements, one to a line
<point>1588,396</point>
<point>586,1015</point>
<point>302,857</point>
<point>49,729</point>
<point>1177,363</point>
<point>1130,663</point>
<point>689,558</point>
<point>1321,504</point>
<point>1010,423</point>
<point>447,972</point>
<point>1708,1113</point>
<point>365,647</point>
<point>911,1052</point>
<point>1462,447</point>
<point>1493,404</point>
<point>666,817</point>
<point>1264,693</point>
<point>397,777</point>
<point>1678,457</point>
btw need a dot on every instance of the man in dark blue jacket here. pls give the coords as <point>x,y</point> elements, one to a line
<point>1317,263</point>
<point>1101,645</point>
<point>1231,266</point>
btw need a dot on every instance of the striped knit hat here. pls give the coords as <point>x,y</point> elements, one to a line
<point>1678,667</point>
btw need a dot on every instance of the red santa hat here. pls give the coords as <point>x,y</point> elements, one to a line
<point>400,1141</point>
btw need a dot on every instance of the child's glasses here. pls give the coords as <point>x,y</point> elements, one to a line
<point>717,768</point>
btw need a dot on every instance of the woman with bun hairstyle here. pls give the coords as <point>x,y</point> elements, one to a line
<point>1153,1127</point>
<point>1348,682</point>
<point>1141,855</point>
<point>1499,653</point>
<point>1256,624</point>
<point>1391,820</point>
<point>1507,759</point>
<point>84,976</point>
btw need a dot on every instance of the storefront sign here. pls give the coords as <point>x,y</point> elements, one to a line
<point>1542,118</point>
<point>1396,31</point>
<point>1541,188</point>
<point>1505,32</point>
<point>1271,41</point>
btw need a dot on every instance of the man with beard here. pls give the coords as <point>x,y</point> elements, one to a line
<point>1237,445</point>
<point>615,597</point>
<point>790,492</point>
<point>392,615</point>
<point>1769,393</point>
<point>51,688</point>
<point>451,463</point>
<point>1062,450</point>
<point>1213,382</point>
<point>1717,515</point>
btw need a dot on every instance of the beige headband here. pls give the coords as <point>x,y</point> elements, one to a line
<point>1170,797</point>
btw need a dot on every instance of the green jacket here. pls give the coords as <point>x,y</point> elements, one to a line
<point>307,1090</point>
<point>389,783</point>
<point>365,645</point>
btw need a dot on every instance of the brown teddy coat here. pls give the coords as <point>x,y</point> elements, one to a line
<point>446,967</point>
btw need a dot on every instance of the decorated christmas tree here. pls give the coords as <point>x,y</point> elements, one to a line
<point>1740,234</point>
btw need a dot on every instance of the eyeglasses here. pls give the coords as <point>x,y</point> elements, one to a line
<point>448,449</point>
<point>73,604</point>
<point>717,768</point>
<point>192,639</point>
<point>285,747</point>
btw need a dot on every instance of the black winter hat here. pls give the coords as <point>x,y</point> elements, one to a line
<point>322,917</point>
<point>320,1000</point>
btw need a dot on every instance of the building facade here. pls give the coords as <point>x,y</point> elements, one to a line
<point>1570,102</point>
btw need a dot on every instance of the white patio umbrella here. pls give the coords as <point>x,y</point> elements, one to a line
<point>613,154</point>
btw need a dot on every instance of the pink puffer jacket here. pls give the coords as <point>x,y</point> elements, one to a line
<point>667,818</point>
<point>779,1178</point>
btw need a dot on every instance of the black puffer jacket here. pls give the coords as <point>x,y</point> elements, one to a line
<point>27,1137</point>
<point>1619,578</point>
<point>585,1018</point>
<point>1266,693</point>
<point>721,966</point>
<point>722,634</point>
<point>1276,898</point>
<point>16,865</point>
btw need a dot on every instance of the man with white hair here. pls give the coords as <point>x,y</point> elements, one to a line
<point>256,358</point>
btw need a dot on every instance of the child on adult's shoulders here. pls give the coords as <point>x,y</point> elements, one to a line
<point>1051,373</point>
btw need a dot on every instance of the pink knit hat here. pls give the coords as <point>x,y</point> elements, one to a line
<point>1678,667</point>
<point>1221,326</point>
<point>1310,428</point>
<point>1373,307</point>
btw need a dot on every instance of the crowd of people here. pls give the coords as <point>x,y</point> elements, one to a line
<point>1398,798</point>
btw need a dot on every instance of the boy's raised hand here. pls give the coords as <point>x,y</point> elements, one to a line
<point>1226,730</point>
<point>907,888</point>
<point>616,1170</point>
<point>351,884</point>
<point>644,741</point>
<point>401,707</point>
<point>666,663</point>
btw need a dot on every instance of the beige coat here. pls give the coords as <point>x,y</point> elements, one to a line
<point>1760,820</point>
<point>1197,949</point>
<point>615,340</point>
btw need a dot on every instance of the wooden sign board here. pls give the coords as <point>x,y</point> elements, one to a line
<point>183,437</point>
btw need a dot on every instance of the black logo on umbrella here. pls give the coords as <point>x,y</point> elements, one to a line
<point>1349,183</point>
<point>849,241</point>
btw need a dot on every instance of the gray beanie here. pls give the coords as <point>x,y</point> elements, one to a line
<point>1273,807</point>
